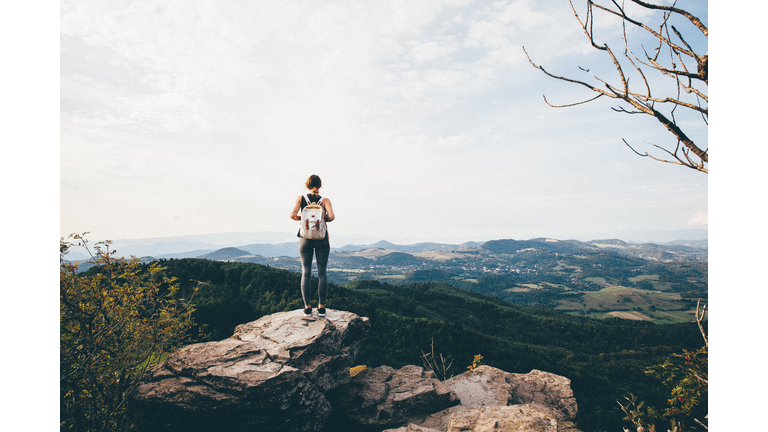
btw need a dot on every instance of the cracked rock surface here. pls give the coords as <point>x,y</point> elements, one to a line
<point>487,386</point>
<point>494,400</point>
<point>383,395</point>
<point>272,374</point>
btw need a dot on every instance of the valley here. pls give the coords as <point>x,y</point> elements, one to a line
<point>598,279</point>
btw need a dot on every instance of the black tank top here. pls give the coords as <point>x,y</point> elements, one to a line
<point>312,197</point>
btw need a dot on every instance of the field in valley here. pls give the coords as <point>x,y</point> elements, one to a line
<point>631,303</point>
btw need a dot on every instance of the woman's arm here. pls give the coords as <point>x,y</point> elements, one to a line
<point>296,208</point>
<point>329,216</point>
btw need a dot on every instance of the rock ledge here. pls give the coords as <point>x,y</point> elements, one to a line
<point>272,374</point>
<point>286,373</point>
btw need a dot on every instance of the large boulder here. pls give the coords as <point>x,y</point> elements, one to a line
<point>545,390</point>
<point>488,386</point>
<point>494,400</point>
<point>483,386</point>
<point>385,396</point>
<point>272,374</point>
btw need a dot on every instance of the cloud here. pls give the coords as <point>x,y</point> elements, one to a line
<point>198,106</point>
<point>700,219</point>
<point>189,66</point>
<point>427,51</point>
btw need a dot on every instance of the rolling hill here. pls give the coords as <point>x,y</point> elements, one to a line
<point>600,278</point>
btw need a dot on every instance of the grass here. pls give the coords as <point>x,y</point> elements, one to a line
<point>629,303</point>
<point>644,278</point>
<point>597,281</point>
<point>345,270</point>
<point>393,276</point>
<point>471,280</point>
<point>658,317</point>
<point>558,286</point>
<point>561,266</point>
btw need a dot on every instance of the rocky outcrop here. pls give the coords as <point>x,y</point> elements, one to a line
<point>488,386</point>
<point>494,400</point>
<point>385,396</point>
<point>286,372</point>
<point>272,374</point>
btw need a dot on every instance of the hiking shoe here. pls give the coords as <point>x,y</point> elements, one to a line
<point>321,312</point>
<point>308,311</point>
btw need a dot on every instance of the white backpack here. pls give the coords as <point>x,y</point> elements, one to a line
<point>312,220</point>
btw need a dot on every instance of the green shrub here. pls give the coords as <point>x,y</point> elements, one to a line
<point>116,320</point>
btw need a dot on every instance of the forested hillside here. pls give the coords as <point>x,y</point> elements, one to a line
<point>659,283</point>
<point>605,359</point>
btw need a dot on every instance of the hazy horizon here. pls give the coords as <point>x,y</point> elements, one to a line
<point>159,246</point>
<point>284,237</point>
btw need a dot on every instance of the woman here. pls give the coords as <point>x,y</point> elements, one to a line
<point>320,248</point>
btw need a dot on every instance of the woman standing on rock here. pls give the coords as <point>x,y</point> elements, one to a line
<point>313,240</point>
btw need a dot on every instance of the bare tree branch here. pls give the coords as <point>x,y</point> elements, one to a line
<point>695,20</point>
<point>688,97</point>
<point>572,104</point>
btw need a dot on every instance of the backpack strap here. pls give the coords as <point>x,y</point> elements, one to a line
<point>306,198</point>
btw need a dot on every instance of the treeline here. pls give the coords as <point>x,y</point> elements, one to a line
<point>605,359</point>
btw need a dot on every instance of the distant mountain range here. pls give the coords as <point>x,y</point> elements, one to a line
<point>271,244</point>
<point>673,251</point>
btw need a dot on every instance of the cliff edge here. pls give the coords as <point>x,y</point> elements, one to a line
<point>287,372</point>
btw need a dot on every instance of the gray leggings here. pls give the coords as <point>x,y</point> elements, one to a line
<point>321,249</point>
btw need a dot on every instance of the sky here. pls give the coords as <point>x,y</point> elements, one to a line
<point>424,120</point>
